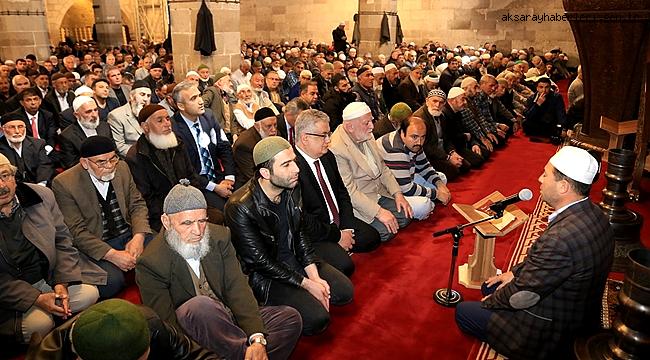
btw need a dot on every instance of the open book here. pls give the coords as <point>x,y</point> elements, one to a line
<point>500,223</point>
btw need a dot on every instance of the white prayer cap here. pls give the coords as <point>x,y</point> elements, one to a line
<point>377,70</point>
<point>485,56</point>
<point>465,60</point>
<point>80,100</point>
<point>389,67</point>
<point>473,58</point>
<point>281,74</point>
<point>455,92</point>
<point>432,78</point>
<point>191,73</point>
<point>76,75</point>
<point>83,90</point>
<point>342,57</point>
<point>439,49</point>
<point>305,73</point>
<point>576,164</point>
<point>355,110</point>
<point>268,60</point>
<point>225,70</point>
<point>241,87</point>
<point>467,82</point>
<point>342,23</point>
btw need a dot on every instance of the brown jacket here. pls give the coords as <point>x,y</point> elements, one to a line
<point>362,184</point>
<point>165,281</point>
<point>43,226</point>
<point>77,198</point>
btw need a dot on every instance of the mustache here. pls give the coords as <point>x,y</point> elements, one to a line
<point>4,191</point>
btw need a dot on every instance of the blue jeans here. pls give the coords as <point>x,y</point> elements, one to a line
<point>472,319</point>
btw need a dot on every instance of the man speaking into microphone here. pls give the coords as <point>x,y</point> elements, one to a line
<point>536,310</point>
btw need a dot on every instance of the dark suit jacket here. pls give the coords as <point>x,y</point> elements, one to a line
<point>220,149</point>
<point>431,148</point>
<point>282,127</point>
<point>71,139</point>
<point>47,125</point>
<point>409,94</point>
<point>315,212</point>
<point>43,226</point>
<point>562,277</point>
<point>165,281</point>
<point>243,154</point>
<point>66,118</point>
<point>51,103</point>
<point>383,127</point>
<point>34,166</point>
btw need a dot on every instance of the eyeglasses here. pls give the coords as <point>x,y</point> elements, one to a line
<point>324,136</point>
<point>105,163</point>
<point>6,177</point>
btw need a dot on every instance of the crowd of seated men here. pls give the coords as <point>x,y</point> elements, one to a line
<point>238,196</point>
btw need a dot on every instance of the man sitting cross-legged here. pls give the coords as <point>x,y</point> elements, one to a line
<point>189,275</point>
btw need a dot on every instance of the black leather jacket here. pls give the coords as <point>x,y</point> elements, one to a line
<point>166,342</point>
<point>255,233</point>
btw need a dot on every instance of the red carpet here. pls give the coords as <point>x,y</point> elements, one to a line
<point>393,315</point>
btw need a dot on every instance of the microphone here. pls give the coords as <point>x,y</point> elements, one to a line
<point>523,195</point>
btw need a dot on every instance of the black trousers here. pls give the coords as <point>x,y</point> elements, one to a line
<point>315,318</point>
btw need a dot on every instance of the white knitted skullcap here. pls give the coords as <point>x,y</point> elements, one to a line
<point>80,100</point>
<point>355,110</point>
<point>454,92</point>
<point>241,87</point>
<point>576,164</point>
<point>83,89</point>
<point>467,82</point>
<point>377,70</point>
<point>390,67</point>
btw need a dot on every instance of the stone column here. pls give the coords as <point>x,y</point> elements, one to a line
<point>108,22</point>
<point>225,16</point>
<point>371,13</point>
<point>23,29</point>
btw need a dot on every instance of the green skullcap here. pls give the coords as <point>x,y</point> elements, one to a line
<point>400,111</point>
<point>266,149</point>
<point>111,329</point>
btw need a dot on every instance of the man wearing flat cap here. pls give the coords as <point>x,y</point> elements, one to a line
<point>220,98</point>
<point>273,243</point>
<point>25,152</point>
<point>158,161</point>
<point>117,329</point>
<point>104,211</point>
<point>124,120</point>
<point>39,267</point>
<point>265,126</point>
<point>376,196</point>
<point>60,97</point>
<point>190,276</point>
<point>554,295</point>
<point>88,124</point>
<point>365,92</point>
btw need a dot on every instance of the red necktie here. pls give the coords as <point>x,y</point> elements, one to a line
<point>291,134</point>
<point>34,128</point>
<point>328,195</point>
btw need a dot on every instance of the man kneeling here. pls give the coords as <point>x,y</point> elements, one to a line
<point>189,275</point>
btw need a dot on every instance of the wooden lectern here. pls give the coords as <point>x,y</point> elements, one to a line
<point>480,265</point>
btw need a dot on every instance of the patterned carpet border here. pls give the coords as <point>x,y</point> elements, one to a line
<point>532,229</point>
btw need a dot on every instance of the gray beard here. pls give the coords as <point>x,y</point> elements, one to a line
<point>16,141</point>
<point>186,250</point>
<point>135,108</point>
<point>90,125</point>
<point>163,142</point>
<point>435,113</point>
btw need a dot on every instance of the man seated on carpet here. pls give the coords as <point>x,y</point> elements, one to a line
<point>438,146</point>
<point>117,329</point>
<point>124,119</point>
<point>458,122</point>
<point>495,136</point>
<point>272,242</point>
<point>398,113</point>
<point>535,310</point>
<point>39,267</point>
<point>402,152</point>
<point>326,202</point>
<point>265,126</point>
<point>158,161</point>
<point>190,276</point>
<point>544,111</point>
<point>376,196</point>
<point>104,211</point>
<point>492,108</point>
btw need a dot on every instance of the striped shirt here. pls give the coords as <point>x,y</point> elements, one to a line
<point>405,164</point>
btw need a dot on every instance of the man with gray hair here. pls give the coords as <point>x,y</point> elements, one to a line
<point>287,120</point>
<point>241,75</point>
<point>327,207</point>
<point>124,120</point>
<point>191,278</point>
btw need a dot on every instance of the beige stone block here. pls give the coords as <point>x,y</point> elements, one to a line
<point>474,4</point>
<point>279,10</point>
<point>459,23</point>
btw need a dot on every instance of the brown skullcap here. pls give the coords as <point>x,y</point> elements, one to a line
<point>147,111</point>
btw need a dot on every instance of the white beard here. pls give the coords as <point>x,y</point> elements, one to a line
<point>163,142</point>
<point>186,250</point>
<point>16,140</point>
<point>90,125</point>
<point>104,178</point>
<point>435,113</point>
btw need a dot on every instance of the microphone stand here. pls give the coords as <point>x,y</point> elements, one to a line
<point>447,296</point>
